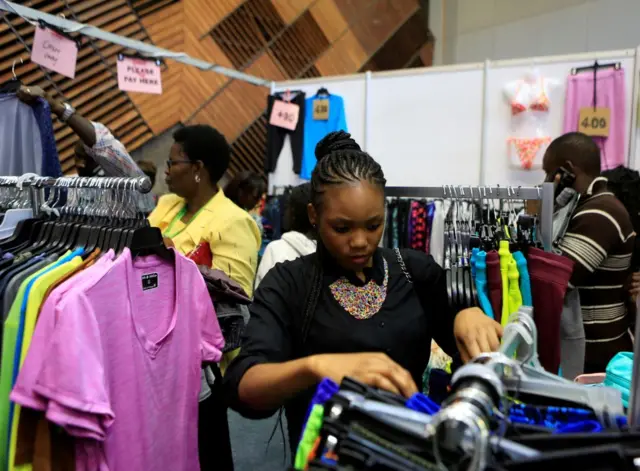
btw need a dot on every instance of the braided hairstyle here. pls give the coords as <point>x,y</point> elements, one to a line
<point>340,161</point>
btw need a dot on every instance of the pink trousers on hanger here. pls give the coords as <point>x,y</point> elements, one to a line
<point>610,93</point>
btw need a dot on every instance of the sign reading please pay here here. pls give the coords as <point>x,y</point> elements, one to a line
<point>139,75</point>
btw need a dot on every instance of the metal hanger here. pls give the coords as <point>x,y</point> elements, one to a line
<point>14,84</point>
<point>526,375</point>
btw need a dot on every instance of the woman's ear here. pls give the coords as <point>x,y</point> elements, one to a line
<point>313,215</point>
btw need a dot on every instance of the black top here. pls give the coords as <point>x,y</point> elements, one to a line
<point>402,329</point>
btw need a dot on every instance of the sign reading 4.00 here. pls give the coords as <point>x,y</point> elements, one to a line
<point>594,121</point>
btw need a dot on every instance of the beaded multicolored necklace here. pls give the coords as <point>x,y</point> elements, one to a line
<point>361,302</point>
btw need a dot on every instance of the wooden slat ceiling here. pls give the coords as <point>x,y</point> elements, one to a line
<point>274,39</point>
<point>94,91</point>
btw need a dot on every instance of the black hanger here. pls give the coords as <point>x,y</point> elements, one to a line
<point>595,66</point>
<point>20,234</point>
<point>148,240</point>
<point>323,91</point>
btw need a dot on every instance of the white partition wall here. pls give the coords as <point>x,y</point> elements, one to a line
<point>425,125</point>
<point>351,88</point>
<point>497,162</point>
<point>451,125</point>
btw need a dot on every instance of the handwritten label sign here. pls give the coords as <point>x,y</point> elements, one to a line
<point>321,109</point>
<point>284,115</point>
<point>139,75</point>
<point>54,51</point>
<point>594,121</point>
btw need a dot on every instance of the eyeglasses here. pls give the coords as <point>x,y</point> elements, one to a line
<point>171,163</point>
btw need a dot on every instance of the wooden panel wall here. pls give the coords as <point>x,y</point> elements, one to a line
<point>274,39</point>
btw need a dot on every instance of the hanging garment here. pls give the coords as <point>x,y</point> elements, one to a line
<point>618,374</point>
<point>550,274</point>
<point>527,149</point>
<point>20,138</point>
<point>418,224</point>
<point>33,301</point>
<point>505,256</point>
<point>481,283</point>
<point>436,243</point>
<point>431,209</point>
<point>118,362</point>
<point>27,140</point>
<point>525,281</point>
<point>610,93</point>
<point>515,297</point>
<point>572,337</point>
<point>315,129</point>
<point>494,280</point>
<point>11,347</point>
<point>276,135</point>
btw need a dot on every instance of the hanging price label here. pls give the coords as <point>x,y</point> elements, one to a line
<point>594,121</point>
<point>284,115</point>
<point>321,109</point>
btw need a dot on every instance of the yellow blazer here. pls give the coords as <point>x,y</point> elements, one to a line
<point>231,232</point>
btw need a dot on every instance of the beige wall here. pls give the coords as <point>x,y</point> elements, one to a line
<point>475,30</point>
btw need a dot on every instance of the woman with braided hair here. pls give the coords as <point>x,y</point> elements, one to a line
<point>350,309</point>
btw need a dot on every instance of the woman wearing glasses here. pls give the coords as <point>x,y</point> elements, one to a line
<point>197,211</point>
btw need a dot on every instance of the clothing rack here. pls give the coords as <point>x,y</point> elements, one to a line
<point>36,183</point>
<point>543,193</point>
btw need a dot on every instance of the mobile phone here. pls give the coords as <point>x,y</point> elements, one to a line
<point>567,179</point>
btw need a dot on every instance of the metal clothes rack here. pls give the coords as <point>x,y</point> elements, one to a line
<point>543,193</point>
<point>36,184</point>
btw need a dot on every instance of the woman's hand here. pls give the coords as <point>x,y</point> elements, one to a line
<point>373,369</point>
<point>476,333</point>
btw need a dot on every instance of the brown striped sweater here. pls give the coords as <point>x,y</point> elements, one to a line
<point>600,240</point>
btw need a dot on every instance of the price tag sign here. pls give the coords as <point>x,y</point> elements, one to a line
<point>284,115</point>
<point>139,75</point>
<point>594,121</point>
<point>54,52</point>
<point>321,109</point>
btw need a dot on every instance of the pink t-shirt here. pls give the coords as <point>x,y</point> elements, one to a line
<point>123,364</point>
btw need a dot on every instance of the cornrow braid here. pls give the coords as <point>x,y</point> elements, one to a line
<point>340,161</point>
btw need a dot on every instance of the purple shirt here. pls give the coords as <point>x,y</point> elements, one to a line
<point>122,365</point>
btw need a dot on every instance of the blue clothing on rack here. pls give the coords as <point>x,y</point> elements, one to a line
<point>315,129</point>
<point>27,141</point>
<point>50,160</point>
<point>482,286</point>
<point>525,281</point>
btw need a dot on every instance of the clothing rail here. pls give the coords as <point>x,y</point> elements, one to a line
<point>139,184</point>
<point>148,50</point>
<point>542,193</point>
<point>36,183</point>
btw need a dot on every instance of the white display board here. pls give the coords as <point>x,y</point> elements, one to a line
<point>498,162</point>
<point>425,126</point>
<point>450,125</point>
<point>351,88</point>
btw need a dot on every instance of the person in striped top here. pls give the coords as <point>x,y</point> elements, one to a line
<point>600,240</point>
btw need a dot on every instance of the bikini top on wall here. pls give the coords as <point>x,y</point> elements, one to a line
<point>539,103</point>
